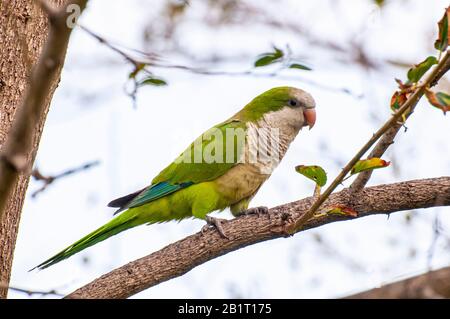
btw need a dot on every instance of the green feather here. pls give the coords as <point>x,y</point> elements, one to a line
<point>115,226</point>
<point>270,101</point>
<point>156,191</point>
<point>184,169</point>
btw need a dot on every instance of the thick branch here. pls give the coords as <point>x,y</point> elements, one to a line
<point>178,258</point>
<point>153,60</point>
<point>434,285</point>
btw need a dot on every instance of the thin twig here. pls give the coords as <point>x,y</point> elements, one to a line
<point>436,234</point>
<point>48,180</point>
<point>107,43</point>
<point>154,61</point>
<point>412,100</point>
<point>388,138</point>
<point>30,292</point>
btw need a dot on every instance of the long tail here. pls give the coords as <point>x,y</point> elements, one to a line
<point>115,226</point>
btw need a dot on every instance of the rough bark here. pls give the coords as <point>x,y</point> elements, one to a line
<point>23,32</point>
<point>34,37</point>
<point>180,257</point>
<point>431,285</point>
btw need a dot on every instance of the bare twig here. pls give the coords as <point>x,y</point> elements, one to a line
<point>153,60</point>
<point>383,144</point>
<point>247,14</point>
<point>180,257</point>
<point>30,292</point>
<point>16,154</point>
<point>47,180</point>
<point>409,103</point>
<point>436,234</point>
<point>107,43</point>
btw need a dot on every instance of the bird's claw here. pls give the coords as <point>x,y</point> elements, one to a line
<point>215,222</point>
<point>260,210</point>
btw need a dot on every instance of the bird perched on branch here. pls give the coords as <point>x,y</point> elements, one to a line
<point>224,167</point>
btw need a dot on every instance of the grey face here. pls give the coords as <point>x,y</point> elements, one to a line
<point>301,98</point>
<point>304,105</point>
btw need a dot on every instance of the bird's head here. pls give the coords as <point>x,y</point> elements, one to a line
<point>283,105</point>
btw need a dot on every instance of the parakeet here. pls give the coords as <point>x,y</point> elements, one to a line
<point>224,167</point>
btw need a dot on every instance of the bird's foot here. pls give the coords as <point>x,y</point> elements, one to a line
<point>260,210</point>
<point>217,223</point>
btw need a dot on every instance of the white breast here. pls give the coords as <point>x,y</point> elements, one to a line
<point>269,138</point>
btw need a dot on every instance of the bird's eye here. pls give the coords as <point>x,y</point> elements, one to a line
<point>292,102</point>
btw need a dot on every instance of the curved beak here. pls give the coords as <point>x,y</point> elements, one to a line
<point>310,117</point>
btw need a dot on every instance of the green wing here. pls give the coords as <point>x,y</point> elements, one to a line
<point>207,158</point>
<point>210,146</point>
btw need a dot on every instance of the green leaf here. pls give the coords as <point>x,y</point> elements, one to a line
<point>265,60</point>
<point>269,58</point>
<point>313,172</point>
<point>442,42</point>
<point>299,66</point>
<point>369,164</point>
<point>416,72</point>
<point>440,100</point>
<point>152,81</point>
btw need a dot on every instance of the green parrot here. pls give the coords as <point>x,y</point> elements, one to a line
<point>224,167</point>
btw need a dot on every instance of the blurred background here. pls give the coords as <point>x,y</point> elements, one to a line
<point>355,50</point>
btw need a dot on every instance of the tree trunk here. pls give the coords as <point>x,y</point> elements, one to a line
<point>23,32</point>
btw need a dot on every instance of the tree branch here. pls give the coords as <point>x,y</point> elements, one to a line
<point>180,257</point>
<point>153,60</point>
<point>17,153</point>
<point>393,120</point>
<point>31,58</point>
<point>431,285</point>
<point>388,138</point>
